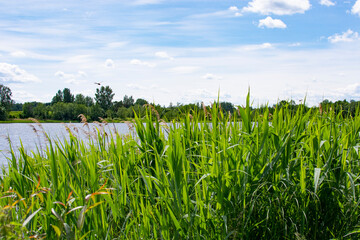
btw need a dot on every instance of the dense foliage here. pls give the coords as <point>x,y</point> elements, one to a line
<point>5,101</point>
<point>66,106</point>
<point>281,175</point>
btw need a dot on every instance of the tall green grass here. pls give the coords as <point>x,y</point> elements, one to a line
<point>246,176</point>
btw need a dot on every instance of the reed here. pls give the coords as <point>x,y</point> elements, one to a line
<point>292,175</point>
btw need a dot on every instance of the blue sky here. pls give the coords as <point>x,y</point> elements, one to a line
<point>182,51</point>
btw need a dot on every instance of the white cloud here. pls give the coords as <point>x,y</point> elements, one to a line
<point>231,11</point>
<point>72,78</point>
<point>210,76</point>
<point>347,36</point>
<point>236,10</point>
<point>163,55</point>
<point>233,8</point>
<point>356,8</point>
<point>327,3</point>
<point>18,54</point>
<point>184,69</point>
<point>204,95</point>
<point>153,87</point>
<point>60,74</point>
<point>255,47</point>
<point>269,22</point>
<point>82,73</point>
<point>278,7</point>
<point>24,96</point>
<point>142,63</point>
<point>297,44</point>
<point>109,63</point>
<point>13,73</point>
<point>351,91</point>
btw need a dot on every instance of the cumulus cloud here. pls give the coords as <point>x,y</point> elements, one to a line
<point>24,96</point>
<point>18,54</point>
<point>236,10</point>
<point>210,76</point>
<point>347,36</point>
<point>71,78</point>
<point>163,55</point>
<point>327,3</point>
<point>109,63</point>
<point>14,74</point>
<point>356,8</point>
<point>351,91</point>
<point>255,47</point>
<point>233,8</point>
<point>278,7</point>
<point>269,22</point>
<point>142,63</point>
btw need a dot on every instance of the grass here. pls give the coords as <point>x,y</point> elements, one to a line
<point>281,176</point>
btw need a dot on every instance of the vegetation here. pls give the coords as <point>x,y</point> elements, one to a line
<point>5,101</point>
<point>289,174</point>
<point>67,107</point>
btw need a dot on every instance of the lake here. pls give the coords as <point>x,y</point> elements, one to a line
<point>32,136</point>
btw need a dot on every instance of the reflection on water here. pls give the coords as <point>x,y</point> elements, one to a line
<point>32,135</point>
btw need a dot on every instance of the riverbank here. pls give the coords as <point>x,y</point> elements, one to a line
<point>57,121</point>
<point>295,178</point>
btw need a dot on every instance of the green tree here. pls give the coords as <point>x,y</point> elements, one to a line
<point>16,107</point>
<point>227,107</point>
<point>104,96</point>
<point>28,109</point>
<point>141,102</point>
<point>116,105</point>
<point>96,111</point>
<point>3,113</point>
<point>68,97</point>
<point>59,97</point>
<point>5,101</point>
<point>59,111</point>
<point>80,99</point>
<point>123,113</point>
<point>128,101</point>
<point>89,101</point>
<point>40,111</point>
<point>79,109</point>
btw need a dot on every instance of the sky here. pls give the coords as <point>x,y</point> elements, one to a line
<point>182,51</point>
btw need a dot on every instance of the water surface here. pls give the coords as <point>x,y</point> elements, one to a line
<point>32,135</point>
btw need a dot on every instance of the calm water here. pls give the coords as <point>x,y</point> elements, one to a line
<point>32,139</point>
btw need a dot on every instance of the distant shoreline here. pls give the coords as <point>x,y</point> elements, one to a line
<point>55,121</point>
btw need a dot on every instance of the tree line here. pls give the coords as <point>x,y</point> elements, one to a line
<point>65,106</point>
